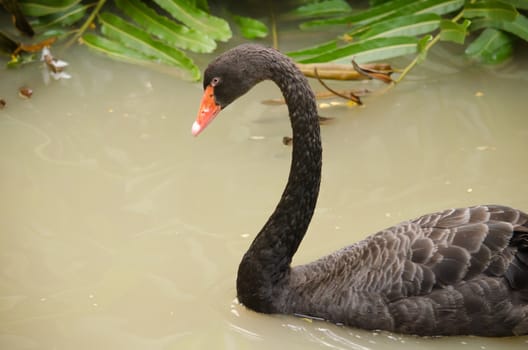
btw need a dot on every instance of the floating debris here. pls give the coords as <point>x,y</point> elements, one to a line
<point>485,148</point>
<point>3,103</point>
<point>322,95</point>
<point>469,190</point>
<point>383,75</point>
<point>342,71</point>
<point>257,137</point>
<point>25,92</point>
<point>36,47</point>
<point>54,66</point>
<point>350,96</point>
<point>479,94</point>
<point>287,140</point>
<point>331,104</point>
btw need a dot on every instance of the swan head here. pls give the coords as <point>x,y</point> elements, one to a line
<point>228,77</point>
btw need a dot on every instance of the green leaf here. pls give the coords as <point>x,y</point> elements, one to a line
<point>114,49</point>
<point>403,26</point>
<point>370,50</point>
<point>377,2</point>
<point>201,4</point>
<point>491,47</point>
<point>39,8</point>
<point>520,4</point>
<point>422,47</point>
<point>495,10</point>
<point>64,19</point>
<point>454,32</point>
<point>390,9</point>
<point>323,8</point>
<point>315,50</point>
<point>214,27</point>
<point>519,26</point>
<point>168,31</point>
<point>135,38</point>
<point>440,7</point>
<point>251,28</point>
<point>423,42</point>
<point>118,51</point>
<point>363,17</point>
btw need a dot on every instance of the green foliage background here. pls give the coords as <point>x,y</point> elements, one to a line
<point>167,31</point>
<point>398,27</point>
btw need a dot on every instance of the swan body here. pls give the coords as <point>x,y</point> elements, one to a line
<point>455,272</point>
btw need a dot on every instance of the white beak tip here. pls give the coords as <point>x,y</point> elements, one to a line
<point>196,128</point>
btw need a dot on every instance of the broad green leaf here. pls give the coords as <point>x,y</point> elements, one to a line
<point>214,27</point>
<point>135,38</point>
<point>454,32</point>
<point>57,32</point>
<point>315,50</point>
<point>519,26</point>
<point>323,8</point>
<point>201,4</point>
<point>114,49</point>
<point>370,50</point>
<point>168,31</point>
<point>495,10</point>
<point>64,19</point>
<point>491,47</point>
<point>520,4</point>
<point>363,17</point>
<point>391,9</point>
<point>377,2</point>
<point>39,8</point>
<point>440,7</point>
<point>251,28</point>
<point>403,26</point>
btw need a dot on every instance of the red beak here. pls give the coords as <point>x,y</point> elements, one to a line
<point>208,110</point>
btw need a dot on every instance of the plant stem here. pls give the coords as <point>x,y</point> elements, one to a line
<point>274,35</point>
<point>87,23</point>
<point>425,50</point>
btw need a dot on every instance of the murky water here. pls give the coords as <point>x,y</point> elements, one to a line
<point>120,230</point>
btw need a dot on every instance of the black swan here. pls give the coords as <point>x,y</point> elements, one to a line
<point>456,272</point>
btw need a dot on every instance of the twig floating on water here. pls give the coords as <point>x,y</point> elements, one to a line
<point>350,97</point>
<point>373,73</point>
<point>333,71</point>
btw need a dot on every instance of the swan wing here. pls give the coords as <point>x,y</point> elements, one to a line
<point>455,245</point>
<point>459,271</point>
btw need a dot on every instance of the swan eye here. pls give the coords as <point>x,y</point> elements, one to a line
<point>215,81</point>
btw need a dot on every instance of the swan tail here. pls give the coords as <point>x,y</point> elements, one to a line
<point>517,273</point>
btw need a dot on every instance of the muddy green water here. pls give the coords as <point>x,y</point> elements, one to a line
<point>119,230</point>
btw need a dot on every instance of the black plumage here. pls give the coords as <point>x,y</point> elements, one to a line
<point>454,272</point>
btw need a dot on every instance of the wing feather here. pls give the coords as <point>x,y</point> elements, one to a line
<point>445,248</point>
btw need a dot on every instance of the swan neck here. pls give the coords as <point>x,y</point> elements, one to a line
<point>265,267</point>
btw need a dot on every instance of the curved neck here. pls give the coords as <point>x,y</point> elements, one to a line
<point>267,262</point>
